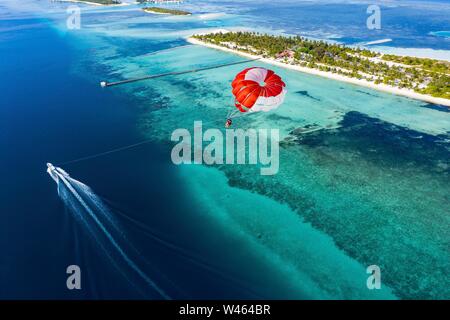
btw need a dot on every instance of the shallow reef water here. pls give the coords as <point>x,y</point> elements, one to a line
<point>379,188</point>
<point>380,191</point>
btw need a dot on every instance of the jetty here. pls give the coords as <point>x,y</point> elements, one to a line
<point>104,84</point>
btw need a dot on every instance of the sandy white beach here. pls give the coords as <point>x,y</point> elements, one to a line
<point>165,13</point>
<point>94,3</point>
<point>154,12</point>
<point>361,82</point>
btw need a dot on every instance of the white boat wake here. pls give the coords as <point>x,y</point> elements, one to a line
<point>100,222</point>
<point>80,199</point>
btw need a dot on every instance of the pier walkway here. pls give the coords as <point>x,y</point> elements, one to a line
<point>174,73</point>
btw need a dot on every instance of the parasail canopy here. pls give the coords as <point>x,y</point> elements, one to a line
<point>258,89</point>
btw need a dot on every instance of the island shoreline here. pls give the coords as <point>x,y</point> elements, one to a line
<point>93,3</point>
<point>164,11</point>
<point>360,82</point>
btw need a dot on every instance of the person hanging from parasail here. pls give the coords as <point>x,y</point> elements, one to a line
<point>256,89</point>
<point>228,123</point>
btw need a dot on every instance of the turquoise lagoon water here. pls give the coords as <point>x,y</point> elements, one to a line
<point>445,34</point>
<point>363,175</point>
<point>373,174</point>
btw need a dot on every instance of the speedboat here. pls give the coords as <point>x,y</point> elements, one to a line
<point>56,172</point>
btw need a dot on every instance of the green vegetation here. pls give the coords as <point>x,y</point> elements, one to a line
<point>425,76</point>
<point>424,63</point>
<point>168,11</point>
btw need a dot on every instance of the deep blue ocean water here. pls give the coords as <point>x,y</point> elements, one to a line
<point>305,233</point>
<point>44,118</point>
